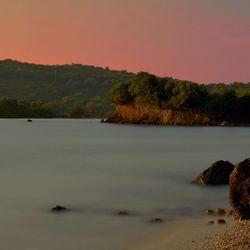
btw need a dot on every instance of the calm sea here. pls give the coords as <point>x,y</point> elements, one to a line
<point>97,169</point>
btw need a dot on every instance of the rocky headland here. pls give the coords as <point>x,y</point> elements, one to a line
<point>146,114</point>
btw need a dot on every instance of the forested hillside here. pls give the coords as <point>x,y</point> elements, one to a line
<point>75,89</point>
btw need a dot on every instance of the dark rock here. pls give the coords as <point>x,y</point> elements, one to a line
<point>209,212</point>
<point>221,221</point>
<point>220,212</point>
<point>240,190</point>
<point>123,213</point>
<point>230,213</point>
<point>211,222</point>
<point>58,209</point>
<point>29,120</point>
<point>217,174</point>
<point>225,123</point>
<point>157,220</point>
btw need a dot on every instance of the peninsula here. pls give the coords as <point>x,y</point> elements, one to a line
<point>147,99</point>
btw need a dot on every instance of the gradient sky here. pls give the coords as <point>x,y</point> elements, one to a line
<point>199,40</point>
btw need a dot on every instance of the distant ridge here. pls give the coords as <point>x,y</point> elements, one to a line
<point>52,82</point>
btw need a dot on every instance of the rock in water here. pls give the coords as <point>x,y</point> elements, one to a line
<point>218,173</point>
<point>123,213</point>
<point>157,220</point>
<point>221,221</point>
<point>220,212</point>
<point>58,208</point>
<point>240,189</point>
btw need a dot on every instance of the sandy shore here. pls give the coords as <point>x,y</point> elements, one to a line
<point>198,234</point>
<point>236,237</point>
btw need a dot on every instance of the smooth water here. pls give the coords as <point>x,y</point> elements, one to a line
<point>97,169</point>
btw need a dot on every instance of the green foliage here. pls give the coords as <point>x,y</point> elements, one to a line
<point>80,91</point>
<point>11,108</point>
<point>147,88</point>
<point>188,95</point>
<point>228,106</point>
<point>169,86</point>
<point>119,94</point>
<point>61,87</point>
<point>221,102</point>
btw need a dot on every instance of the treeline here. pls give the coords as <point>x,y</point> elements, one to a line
<point>221,102</point>
<point>12,108</point>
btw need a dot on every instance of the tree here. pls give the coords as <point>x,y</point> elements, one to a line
<point>147,88</point>
<point>188,95</point>
<point>119,94</point>
<point>223,106</point>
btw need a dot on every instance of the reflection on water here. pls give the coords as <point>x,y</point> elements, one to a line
<point>98,169</point>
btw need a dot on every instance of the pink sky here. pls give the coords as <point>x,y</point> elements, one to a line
<point>199,40</point>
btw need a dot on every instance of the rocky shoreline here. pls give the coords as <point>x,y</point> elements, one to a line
<point>235,237</point>
<point>153,115</point>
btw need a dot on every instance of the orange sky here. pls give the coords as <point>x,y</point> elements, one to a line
<point>203,41</point>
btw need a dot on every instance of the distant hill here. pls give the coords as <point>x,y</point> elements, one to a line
<point>53,82</point>
<point>65,89</point>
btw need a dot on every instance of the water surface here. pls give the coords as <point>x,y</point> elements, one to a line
<point>97,169</point>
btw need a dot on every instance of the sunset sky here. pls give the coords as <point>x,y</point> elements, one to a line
<point>199,40</point>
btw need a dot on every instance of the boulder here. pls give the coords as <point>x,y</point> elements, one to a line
<point>240,189</point>
<point>217,174</point>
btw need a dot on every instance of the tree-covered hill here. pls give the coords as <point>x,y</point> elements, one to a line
<point>69,90</point>
<point>53,82</point>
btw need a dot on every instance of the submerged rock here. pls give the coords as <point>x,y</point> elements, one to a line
<point>217,174</point>
<point>230,212</point>
<point>58,208</point>
<point>209,212</point>
<point>220,212</point>
<point>240,189</point>
<point>221,221</point>
<point>157,220</point>
<point>123,213</point>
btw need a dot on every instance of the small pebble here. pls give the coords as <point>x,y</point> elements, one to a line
<point>221,212</point>
<point>221,221</point>
<point>209,212</point>
<point>123,213</point>
<point>58,208</point>
<point>157,220</point>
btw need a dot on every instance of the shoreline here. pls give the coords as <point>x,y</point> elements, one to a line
<point>235,237</point>
<point>188,233</point>
<point>153,115</point>
<point>196,234</point>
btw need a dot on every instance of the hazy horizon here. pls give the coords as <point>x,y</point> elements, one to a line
<point>204,42</point>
